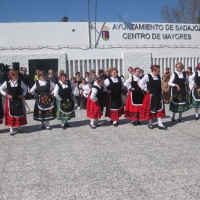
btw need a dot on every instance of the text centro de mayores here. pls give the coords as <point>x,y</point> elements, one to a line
<point>157,36</point>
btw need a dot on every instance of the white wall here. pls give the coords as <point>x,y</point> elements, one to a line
<point>70,41</point>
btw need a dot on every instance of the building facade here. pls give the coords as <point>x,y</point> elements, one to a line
<point>81,46</point>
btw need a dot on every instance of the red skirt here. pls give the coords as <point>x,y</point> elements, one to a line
<point>13,121</point>
<point>114,115</point>
<point>132,111</point>
<point>146,113</point>
<point>93,109</point>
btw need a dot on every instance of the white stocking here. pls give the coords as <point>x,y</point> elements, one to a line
<point>196,112</point>
<point>160,122</point>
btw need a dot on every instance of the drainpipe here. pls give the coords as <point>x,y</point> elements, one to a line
<point>89,29</point>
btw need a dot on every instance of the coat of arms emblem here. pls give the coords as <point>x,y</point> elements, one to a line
<point>105,33</point>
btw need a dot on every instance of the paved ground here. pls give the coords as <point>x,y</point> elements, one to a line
<point>106,164</point>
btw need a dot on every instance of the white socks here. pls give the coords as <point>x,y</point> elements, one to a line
<point>160,122</point>
<point>196,112</point>
<point>92,121</point>
<point>47,124</point>
<point>11,129</point>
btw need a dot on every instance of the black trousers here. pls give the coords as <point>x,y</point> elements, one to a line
<point>84,102</point>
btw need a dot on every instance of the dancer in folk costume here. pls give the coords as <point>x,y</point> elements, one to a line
<point>95,102</point>
<point>134,99</point>
<point>114,107</point>
<point>180,99</point>
<point>195,80</point>
<point>44,109</point>
<point>15,112</point>
<point>1,110</point>
<point>65,103</point>
<point>153,104</point>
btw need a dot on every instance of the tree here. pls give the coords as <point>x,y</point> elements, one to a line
<point>198,22</point>
<point>186,11</point>
<point>64,19</point>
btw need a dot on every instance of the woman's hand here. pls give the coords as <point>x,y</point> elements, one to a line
<point>35,95</point>
<point>147,91</point>
<point>178,88</point>
<point>8,96</point>
<point>132,89</point>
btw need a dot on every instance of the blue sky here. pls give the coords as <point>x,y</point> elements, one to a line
<point>76,10</point>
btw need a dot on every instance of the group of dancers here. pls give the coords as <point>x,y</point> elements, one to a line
<point>144,99</point>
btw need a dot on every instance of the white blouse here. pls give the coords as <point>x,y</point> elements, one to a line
<point>85,89</point>
<point>42,83</point>
<point>64,85</point>
<point>192,77</point>
<point>94,92</point>
<point>12,84</point>
<point>127,83</point>
<point>107,82</point>
<point>180,75</point>
<point>143,82</point>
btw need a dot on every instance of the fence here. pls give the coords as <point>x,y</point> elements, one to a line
<point>72,66</point>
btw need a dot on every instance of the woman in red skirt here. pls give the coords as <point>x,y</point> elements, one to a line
<point>153,104</point>
<point>95,102</point>
<point>1,110</point>
<point>15,113</point>
<point>114,107</point>
<point>134,99</point>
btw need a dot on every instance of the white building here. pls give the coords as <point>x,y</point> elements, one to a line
<point>73,46</point>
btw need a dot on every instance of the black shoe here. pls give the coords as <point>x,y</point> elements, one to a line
<point>196,118</point>
<point>181,120</point>
<point>63,127</point>
<point>92,126</point>
<point>138,123</point>
<point>12,133</point>
<point>96,124</point>
<point>162,127</point>
<point>150,127</point>
<point>67,125</point>
<point>134,123</point>
<point>173,120</point>
<point>42,127</point>
<point>115,124</point>
<point>48,128</point>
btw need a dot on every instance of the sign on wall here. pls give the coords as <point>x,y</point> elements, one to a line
<point>150,34</point>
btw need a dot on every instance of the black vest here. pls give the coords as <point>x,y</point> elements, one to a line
<point>64,93</point>
<point>134,84</point>
<point>154,86</point>
<point>100,96</point>
<point>180,81</point>
<point>197,80</point>
<point>115,87</point>
<point>14,91</point>
<point>43,89</point>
